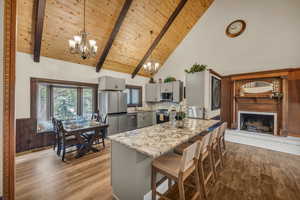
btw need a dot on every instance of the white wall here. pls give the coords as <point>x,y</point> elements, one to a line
<point>56,69</point>
<point>1,93</point>
<point>270,41</point>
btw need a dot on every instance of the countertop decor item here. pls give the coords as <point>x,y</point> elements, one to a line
<point>196,68</point>
<point>169,79</point>
<point>151,80</point>
<point>235,28</point>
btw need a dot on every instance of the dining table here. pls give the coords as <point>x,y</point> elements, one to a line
<point>86,133</point>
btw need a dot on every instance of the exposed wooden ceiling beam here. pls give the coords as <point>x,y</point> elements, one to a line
<point>38,31</point>
<point>160,36</point>
<point>113,34</point>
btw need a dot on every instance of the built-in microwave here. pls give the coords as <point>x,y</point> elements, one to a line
<point>166,96</point>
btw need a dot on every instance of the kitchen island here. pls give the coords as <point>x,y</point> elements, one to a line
<point>132,153</point>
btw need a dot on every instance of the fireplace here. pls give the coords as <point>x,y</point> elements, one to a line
<point>261,122</point>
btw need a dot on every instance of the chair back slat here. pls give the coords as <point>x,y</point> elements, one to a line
<point>189,154</point>
<point>223,129</point>
<point>96,117</point>
<point>214,136</point>
<point>205,142</point>
<point>54,123</point>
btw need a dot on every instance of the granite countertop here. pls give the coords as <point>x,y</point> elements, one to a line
<point>161,138</point>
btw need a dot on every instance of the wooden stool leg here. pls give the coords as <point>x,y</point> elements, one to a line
<point>197,181</point>
<point>221,154</point>
<point>212,162</point>
<point>181,188</point>
<point>153,183</point>
<point>202,179</point>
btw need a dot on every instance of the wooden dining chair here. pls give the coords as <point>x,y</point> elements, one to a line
<point>101,136</point>
<point>67,140</point>
<point>177,168</point>
<point>57,141</point>
<point>221,141</point>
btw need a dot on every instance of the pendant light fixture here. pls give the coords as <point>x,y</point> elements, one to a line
<point>80,43</point>
<point>151,66</point>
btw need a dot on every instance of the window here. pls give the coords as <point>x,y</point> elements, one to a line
<point>64,103</point>
<point>62,100</point>
<point>134,95</point>
<point>87,102</point>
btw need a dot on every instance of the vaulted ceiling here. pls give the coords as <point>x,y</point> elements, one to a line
<point>64,19</point>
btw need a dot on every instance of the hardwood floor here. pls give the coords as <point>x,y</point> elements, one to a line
<point>250,173</point>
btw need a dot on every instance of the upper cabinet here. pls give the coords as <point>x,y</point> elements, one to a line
<point>152,93</point>
<point>111,83</point>
<point>177,91</point>
<point>166,87</point>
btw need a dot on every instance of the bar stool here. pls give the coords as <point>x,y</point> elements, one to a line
<point>177,168</point>
<point>179,149</point>
<point>221,141</point>
<point>215,149</point>
<point>205,153</point>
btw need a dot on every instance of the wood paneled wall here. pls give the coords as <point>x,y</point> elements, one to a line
<point>294,103</point>
<point>27,137</point>
<point>227,100</point>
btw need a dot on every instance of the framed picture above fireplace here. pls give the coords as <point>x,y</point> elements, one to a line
<point>215,93</point>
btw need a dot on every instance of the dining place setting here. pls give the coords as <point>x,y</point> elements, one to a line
<point>79,135</point>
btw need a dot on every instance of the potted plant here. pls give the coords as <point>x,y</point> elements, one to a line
<point>196,68</point>
<point>179,119</point>
<point>169,79</point>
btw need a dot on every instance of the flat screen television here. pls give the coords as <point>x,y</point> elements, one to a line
<point>215,93</point>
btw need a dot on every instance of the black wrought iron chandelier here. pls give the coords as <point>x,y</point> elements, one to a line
<point>80,43</point>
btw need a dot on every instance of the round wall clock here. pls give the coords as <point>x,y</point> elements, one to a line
<point>236,28</point>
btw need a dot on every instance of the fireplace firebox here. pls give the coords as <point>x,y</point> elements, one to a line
<point>258,122</point>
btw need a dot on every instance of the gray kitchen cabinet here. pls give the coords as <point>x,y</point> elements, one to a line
<point>152,92</point>
<point>145,119</point>
<point>177,91</point>
<point>131,122</point>
<point>113,123</point>
<point>122,123</point>
<point>111,83</point>
<point>195,89</point>
<point>166,87</point>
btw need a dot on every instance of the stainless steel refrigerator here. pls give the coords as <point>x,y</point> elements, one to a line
<point>112,102</point>
<point>113,105</point>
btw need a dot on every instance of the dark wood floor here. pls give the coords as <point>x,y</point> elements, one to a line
<point>250,173</point>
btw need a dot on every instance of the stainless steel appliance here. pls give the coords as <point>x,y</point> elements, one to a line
<point>196,112</point>
<point>162,115</point>
<point>166,96</point>
<point>112,102</point>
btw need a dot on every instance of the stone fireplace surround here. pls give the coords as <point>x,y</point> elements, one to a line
<point>259,113</point>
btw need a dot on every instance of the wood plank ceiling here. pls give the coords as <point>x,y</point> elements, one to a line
<point>64,19</point>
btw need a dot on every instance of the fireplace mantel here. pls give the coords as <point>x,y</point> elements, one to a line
<point>260,103</point>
